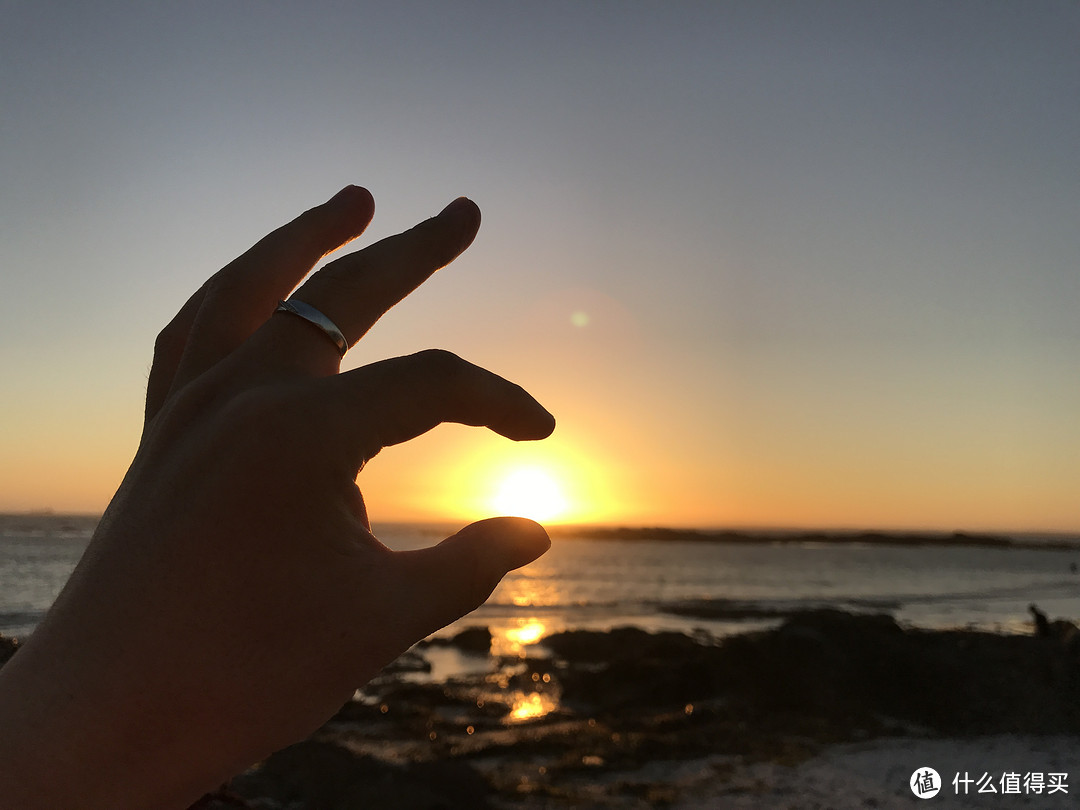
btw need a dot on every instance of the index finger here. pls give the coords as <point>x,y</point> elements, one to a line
<point>393,401</point>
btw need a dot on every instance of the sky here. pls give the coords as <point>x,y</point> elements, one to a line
<point>768,263</point>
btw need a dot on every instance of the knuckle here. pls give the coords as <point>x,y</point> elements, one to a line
<point>440,362</point>
<point>223,285</point>
<point>169,343</point>
<point>263,409</point>
<point>354,279</point>
<point>259,428</point>
<point>243,426</point>
<point>191,407</point>
<point>227,294</point>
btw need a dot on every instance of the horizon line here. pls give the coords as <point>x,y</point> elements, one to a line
<point>701,528</point>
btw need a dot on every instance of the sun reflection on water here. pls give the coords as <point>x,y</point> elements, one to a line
<point>512,641</point>
<point>516,638</point>
<point>531,706</point>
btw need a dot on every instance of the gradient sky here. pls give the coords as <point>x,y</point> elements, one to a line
<point>770,264</point>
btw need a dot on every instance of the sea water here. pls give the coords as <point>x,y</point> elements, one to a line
<point>600,584</point>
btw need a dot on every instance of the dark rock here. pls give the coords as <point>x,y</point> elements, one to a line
<point>629,669</point>
<point>326,776</point>
<point>840,666</point>
<point>1060,629</point>
<point>830,672</point>
<point>628,698</point>
<point>617,645</point>
<point>408,661</point>
<point>471,640</point>
<point>8,646</point>
<point>424,696</point>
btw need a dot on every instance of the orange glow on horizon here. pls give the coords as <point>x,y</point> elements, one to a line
<point>768,478</point>
<point>551,482</point>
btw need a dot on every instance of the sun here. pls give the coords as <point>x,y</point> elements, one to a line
<point>530,492</point>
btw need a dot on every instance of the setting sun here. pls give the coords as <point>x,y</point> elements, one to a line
<point>530,492</point>
<point>468,475</point>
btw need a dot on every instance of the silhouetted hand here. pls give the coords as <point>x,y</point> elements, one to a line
<point>233,596</point>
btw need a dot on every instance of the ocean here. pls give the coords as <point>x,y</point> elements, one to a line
<point>661,584</point>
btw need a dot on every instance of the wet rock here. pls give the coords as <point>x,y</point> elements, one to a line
<point>8,646</point>
<point>475,640</point>
<point>619,644</point>
<point>323,775</point>
<point>830,674</point>
<point>850,668</point>
<point>407,698</point>
<point>1060,629</point>
<point>629,669</point>
<point>408,661</point>
<point>629,699</point>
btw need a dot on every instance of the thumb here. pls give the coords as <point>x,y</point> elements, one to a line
<point>444,582</point>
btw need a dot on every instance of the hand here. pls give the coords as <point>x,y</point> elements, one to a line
<point>233,596</point>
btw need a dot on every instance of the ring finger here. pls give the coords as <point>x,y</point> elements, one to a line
<point>356,290</point>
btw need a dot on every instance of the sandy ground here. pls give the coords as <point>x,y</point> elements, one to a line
<point>877,774</point>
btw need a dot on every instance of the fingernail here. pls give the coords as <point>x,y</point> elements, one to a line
<point>526,541</point>
<point>345,193</point>
<point>463,209</point>
<point>458,204</point>
<point>464,214</point>
<point>352,193</point>
<point>516,541</point>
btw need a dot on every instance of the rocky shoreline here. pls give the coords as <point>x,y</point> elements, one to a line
<point>628,719</point>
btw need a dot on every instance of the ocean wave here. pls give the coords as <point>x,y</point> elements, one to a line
<point>19,620</point>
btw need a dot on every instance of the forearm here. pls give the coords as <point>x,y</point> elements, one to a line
<point>76,731</point>
<point>54,747</point>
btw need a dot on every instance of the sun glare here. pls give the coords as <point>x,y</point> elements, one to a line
<point>530,492</point>
<point>554,481</point>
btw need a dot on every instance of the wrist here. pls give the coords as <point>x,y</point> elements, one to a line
<point>76,732</point>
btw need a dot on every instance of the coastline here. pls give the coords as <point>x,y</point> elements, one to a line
<point>830,705</point>
<point>1045,541</point>
<point>79,526</point>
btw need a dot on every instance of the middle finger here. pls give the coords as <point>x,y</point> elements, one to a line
<point>356,290</point>
<point>239,298</point>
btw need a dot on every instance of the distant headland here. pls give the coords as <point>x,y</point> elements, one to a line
<point>807,536</point>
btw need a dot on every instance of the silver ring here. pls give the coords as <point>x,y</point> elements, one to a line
<point>317,319</point>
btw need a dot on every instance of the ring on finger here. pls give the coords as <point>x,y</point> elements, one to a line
<point>316,319</point>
